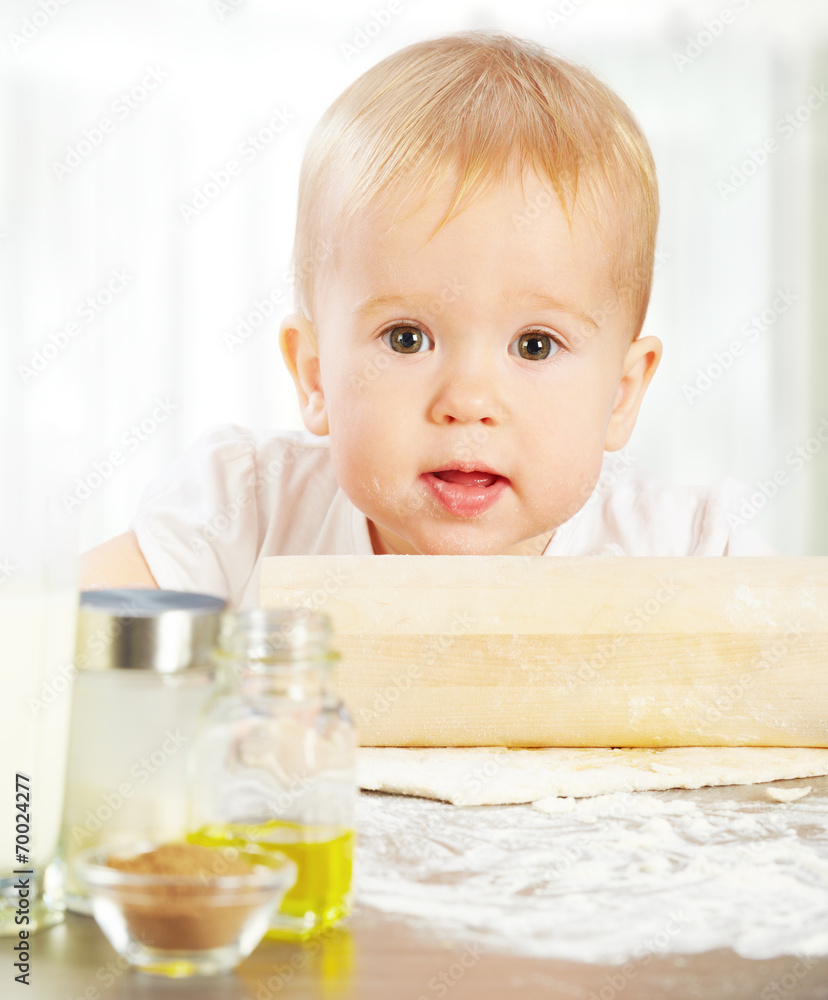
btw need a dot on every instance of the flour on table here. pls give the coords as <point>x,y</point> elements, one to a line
<point>608,879</point>
<point>500,776</point>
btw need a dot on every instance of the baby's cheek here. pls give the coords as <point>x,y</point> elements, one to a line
<point>359,469</point>
<point>584,487</point>
<point>351,465</point>
<point>568,484</point>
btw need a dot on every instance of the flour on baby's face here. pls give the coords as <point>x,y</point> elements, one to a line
<point>469,392</point>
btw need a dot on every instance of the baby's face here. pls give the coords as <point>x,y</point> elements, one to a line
<point>471,384</point>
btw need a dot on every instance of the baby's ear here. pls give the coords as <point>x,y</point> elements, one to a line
<point>300,350</point>
<point>639,366</point>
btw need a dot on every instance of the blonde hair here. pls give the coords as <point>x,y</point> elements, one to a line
<point>472,105</point>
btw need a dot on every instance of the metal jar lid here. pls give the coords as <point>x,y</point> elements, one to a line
<point>167,631</point>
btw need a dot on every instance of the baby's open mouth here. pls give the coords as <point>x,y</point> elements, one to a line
<point>467,478</point>
<point>465,493</point>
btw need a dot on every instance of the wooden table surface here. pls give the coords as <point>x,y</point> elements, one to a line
<point>377,957</point>
<point>379,954</point>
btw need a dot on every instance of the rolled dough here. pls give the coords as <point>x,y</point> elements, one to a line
<point>476,776</point>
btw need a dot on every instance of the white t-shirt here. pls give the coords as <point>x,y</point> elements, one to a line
<point>236,496</point>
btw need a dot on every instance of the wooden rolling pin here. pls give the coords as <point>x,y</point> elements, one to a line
<point>601,652</point>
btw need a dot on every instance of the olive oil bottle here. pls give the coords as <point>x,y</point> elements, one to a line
<point>323,856</point>
<point>273,763</point>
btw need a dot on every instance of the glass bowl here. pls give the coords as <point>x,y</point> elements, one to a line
<point>184,925</point>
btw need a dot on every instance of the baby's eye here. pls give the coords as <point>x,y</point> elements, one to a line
<point>537,345</point>
<point>405,339</point>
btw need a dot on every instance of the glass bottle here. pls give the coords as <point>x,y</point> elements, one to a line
<point>144,672</point>
<point>274,761</point>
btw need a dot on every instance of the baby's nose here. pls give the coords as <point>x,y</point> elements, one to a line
<point>466,397</point>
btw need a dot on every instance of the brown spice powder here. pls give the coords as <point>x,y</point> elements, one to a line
<point>182,859</point>
<point>190,917</point>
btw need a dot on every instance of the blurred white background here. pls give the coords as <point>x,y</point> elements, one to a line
<point>116,116</point>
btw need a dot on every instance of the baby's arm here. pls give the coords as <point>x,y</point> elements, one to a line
<point>116,563</point>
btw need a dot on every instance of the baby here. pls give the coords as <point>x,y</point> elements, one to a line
<point>473,261</point>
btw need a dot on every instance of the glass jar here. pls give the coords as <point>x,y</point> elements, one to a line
<point>144,672</point>
<point>274,760</point>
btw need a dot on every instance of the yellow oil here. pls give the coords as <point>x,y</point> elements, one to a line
<point>324,861</point>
